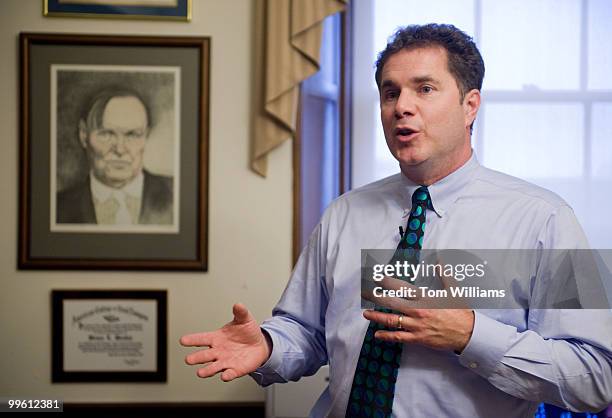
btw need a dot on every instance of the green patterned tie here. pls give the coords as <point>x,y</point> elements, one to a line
<point>373,386</point>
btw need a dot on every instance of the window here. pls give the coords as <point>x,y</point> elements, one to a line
<point>546,114</point>
<point>320,150</point>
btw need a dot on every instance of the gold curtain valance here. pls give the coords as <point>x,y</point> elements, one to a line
<point>288,40</point>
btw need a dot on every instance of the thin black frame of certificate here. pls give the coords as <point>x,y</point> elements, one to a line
<point>41,248</point>
<point>59,375</point>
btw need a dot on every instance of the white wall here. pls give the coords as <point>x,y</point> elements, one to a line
<point>243,209</point>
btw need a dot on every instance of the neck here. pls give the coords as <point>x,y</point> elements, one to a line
<point>119,184</point>
<point>428,172</point>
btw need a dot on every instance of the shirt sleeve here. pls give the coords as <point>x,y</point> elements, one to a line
<point>297,327</point>
<point>564,357</point>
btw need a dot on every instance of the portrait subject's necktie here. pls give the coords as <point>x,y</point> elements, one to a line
<point>122,215</point>
<point>119,209</point>
<point>373,388</point>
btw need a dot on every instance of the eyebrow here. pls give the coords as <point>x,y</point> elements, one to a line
<point>387,83</point>
<point>413,80</point>
<point>424,79</point>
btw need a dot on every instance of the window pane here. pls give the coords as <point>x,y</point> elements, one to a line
<point>595,218</point>
<point>526,44</point>
<point>391,14</point>
<point>385,163</point>
<point>601,143</point>
<point>597,224</point>
<point>533,141</point>
<point>600,53</point>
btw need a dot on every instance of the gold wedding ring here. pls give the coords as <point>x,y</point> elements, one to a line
<point>399,322</point>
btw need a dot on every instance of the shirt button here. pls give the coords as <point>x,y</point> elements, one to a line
<point>473,365</point>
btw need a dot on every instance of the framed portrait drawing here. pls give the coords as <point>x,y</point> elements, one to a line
<point>109,335</point>
<point>114,152</point>
<point>133,9</point>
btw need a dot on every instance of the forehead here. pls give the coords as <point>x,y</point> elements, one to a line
<point>425,61</point>
<point>124,111</point>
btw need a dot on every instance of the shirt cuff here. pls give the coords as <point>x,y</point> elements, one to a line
<point>490,340</point>
<point>267,373</point>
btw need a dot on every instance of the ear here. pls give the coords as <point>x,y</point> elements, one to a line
<point>83,133</point>
<point>471,104</point>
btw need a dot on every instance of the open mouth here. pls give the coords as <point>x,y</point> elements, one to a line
<point>405,133</point>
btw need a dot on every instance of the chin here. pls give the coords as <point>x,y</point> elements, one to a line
<point>410,157</point>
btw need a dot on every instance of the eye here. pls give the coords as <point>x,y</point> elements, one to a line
<point>426,89</point>
<point>133,135</point>
<point>390,94</point>
<point>105,135</point>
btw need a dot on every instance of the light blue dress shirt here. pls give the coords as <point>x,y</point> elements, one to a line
<point>515,358</point>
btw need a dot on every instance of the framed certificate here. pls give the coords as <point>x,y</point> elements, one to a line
<point>109,336</point>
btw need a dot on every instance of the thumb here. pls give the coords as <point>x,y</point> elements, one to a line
<point>241,313</point>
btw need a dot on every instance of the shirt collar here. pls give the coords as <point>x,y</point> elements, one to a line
<point>447,190</point>
<point>101,192</point>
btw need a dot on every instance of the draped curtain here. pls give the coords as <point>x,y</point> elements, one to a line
<point>287,42</point>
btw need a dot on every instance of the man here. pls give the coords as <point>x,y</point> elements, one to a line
<point>113,132</point>
<point>452,363</point>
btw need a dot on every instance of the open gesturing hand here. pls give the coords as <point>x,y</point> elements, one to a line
<point>236,349</point>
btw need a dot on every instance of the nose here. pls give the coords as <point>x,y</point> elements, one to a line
<point>119,144</point>
<point>404,106</point>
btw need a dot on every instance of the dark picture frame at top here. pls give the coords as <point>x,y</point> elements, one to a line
<point>109,336</point>
<point>114,152</point>
<point>120,9</point>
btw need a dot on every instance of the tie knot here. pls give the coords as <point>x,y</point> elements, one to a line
<point>421,197</point>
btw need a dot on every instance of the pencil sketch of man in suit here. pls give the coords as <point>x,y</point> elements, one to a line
<point>113,131</point>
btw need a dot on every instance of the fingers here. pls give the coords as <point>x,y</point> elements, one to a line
<point>390,320</point>
<point>211,369</point>
<point>396,303</point>
<point>229,375</point>
<point>211,357</point>
<point>405,335</point>
<point>410,297</point>
<point>205,339</point>
<point>241,313</point>
<point>215,365</point>
<point>201,357</point>
<point>397,284</point>
<point>200,339</point>
<point>390,292</point>
<point>408,334</point>
<point>396,336</point>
